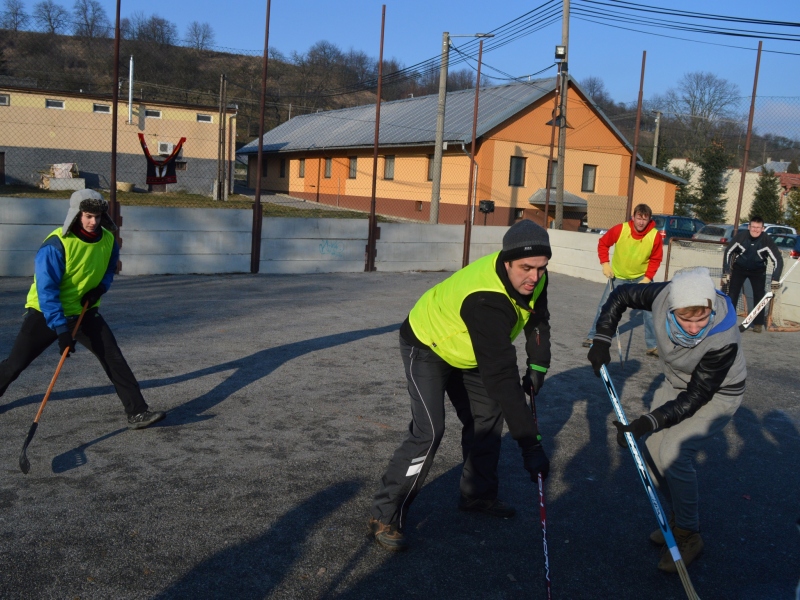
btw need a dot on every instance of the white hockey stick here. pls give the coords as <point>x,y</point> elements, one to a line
<point>764,301</point>
<point>649,488</point>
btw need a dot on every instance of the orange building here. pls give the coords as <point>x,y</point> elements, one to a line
<point>327,157</point>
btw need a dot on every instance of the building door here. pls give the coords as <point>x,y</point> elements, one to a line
<point>2,168</point>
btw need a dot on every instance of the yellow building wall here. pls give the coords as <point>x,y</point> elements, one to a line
<point>26,122</point>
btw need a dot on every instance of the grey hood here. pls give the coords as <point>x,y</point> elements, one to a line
<point>87,201</point>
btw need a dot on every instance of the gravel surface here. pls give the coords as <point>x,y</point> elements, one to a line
<point>286,397</point>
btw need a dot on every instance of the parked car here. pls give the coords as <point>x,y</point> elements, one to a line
<point>788,241</point>
<point>771,228</point>
<point>671,226</point>
<point>716,232</point>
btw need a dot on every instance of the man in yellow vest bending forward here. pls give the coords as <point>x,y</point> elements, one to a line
<point>637,255</point>
<point>76,265</point>
<point>459,339</point>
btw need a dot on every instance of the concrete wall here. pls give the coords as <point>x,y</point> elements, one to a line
<point>174,240</point>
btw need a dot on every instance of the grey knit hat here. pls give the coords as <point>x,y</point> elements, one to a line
<point>692,287</point>
<point>91,202</point>
<point>524,239</point>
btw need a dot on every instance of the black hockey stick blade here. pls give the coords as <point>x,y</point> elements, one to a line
<point>24,463</point>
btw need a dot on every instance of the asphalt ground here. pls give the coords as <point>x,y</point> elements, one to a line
<point>286,397</point>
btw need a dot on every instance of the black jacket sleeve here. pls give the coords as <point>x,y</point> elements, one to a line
<point>633,295</point>
<point>776,255</point>
<point>537,332</point>
<point>490,318</point>
<point>706,380</point>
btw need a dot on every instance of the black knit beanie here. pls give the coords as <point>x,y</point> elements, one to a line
<point>524,239</point>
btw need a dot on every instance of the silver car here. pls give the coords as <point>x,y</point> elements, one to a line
<point>716,232</point>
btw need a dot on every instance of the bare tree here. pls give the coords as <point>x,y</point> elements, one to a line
<point>158,31</point>
<point>14,16</point>
<point>91,20</point>
<point>701,103</point>
<point>50,17</point>
<point>199,36</point>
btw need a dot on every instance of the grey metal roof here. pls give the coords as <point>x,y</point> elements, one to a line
<point>570,200</point>
<point>778,166</point>
<point>406,122</point>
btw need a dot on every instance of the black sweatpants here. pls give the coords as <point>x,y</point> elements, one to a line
<point>758,281</point>
<point>429,377</point>
<point>35,337</point>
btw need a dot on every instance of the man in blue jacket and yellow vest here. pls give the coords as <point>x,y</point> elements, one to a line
<point>74,266</point>
<point>637,255</point>
<point>459,339</point>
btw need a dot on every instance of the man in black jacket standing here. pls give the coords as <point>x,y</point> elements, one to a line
<point>459,339</point>
<point>746,258</point>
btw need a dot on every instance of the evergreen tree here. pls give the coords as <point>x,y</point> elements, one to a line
<point>710,202</point>
<point>793,209</point>
<point>766,201</point>
<point>685,194</point>
<point>793,168</point>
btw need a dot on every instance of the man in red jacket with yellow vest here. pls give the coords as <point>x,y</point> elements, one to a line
<point>459,339</point>
<point>75,266</point>
<point>637,255</point>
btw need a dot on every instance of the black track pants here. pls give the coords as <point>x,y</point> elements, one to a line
<point>429,377</point>
<point>758,280</point>
<point>35,337</point>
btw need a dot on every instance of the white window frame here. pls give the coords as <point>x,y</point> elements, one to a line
<point>520,171</point>
<point>52,103</point>
<point>328,168</point>
<point>106,107</point>
<point>301,168</point>
<point>205,118</point>
<point>152,116</point>
<point>587,168</point>
<point>5,99</point>
<point>388,167</point>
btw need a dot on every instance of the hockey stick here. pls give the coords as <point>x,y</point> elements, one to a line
<point>648,486</point>
<point>619,343</point>
<point>542,512</point>
<point>24,464</point>
<point>764,301</point>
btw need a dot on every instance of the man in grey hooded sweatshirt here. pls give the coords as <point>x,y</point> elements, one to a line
<point>700,352</point>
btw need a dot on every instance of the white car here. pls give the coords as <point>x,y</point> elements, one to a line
<point>772,228</point>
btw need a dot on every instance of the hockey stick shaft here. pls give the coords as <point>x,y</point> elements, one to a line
<point>24,464</point>
<point>619,343</point>
<point>648,486</point>
<point>542,513</point>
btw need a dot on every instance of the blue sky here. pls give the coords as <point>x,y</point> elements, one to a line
<point>414,29</point>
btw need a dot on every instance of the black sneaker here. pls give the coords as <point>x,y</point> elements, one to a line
<point>493,508</point>
<point>387,535</point>
<point>145,419</point>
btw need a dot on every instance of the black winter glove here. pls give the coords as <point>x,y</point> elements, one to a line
<point>535,461</point>
<point>638,428</point>
<point>65,340</point>
<point>532,382</point>
<point>93,295</point>
<point>599,355</point>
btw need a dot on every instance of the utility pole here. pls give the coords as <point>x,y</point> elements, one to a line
<point>747,140</point>
<point>635,150</point>
<point>654,162</point>
<point>438,145</point>
<point>562,132</point>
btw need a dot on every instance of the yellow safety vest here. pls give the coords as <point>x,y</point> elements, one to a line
<point>631,256</point>
<point>436,317</point>
<point>85,267</point>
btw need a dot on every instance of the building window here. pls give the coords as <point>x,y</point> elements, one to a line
<point>301,168</point>
<point>388,167</point>
<point>552,171</point>
<point>5,100</point>
<point>430,167</point>
<point>589,176</point>
<point>351,174</point>
<point>263,166</point>
<point>180,165</point>
<point>328,167</point>
<point>419,205</point>
<point>152,114</point>
<point>101,108</point>
<point>54,104</point>
<point>516,173</point>
<point>519,213</point>
<point>283,168</point>
<point>204,118</point>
